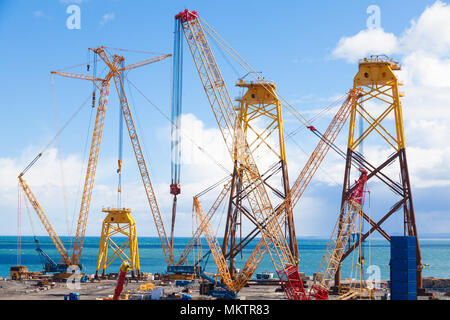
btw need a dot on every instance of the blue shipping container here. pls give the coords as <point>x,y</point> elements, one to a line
<point>403,264</point>
<point>403,286</point>
<point>403,268</point>
<point>406,276</point>
<point>403,296</point>
<point>403,241</point>
<point>403,253</point>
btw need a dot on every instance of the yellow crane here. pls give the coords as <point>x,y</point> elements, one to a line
<point>226,118</point>
<point>203,219</point>
<point>337,245</point>
<point>151,197</point>
<point>93,154</point>
<point>42,216</point>
<point>214,246</point>
<point>103,84</point>
<point>218,97</point>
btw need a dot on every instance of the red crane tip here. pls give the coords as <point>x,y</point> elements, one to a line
<point>186,15</point>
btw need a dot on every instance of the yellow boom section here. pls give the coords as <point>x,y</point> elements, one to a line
<point>214,246</point>
<point>47,225</point>
<point>92,162</point>
<point>208,217</point>
<point>151,197</point>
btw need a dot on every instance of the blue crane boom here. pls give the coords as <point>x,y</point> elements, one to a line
<point>175,188</point>
<point>47,263</point>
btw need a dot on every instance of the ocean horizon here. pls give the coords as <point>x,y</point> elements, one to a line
<point>435,253</point>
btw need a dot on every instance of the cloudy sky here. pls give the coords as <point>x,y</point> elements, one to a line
<point>310,49</point>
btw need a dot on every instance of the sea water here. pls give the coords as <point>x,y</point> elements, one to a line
<point>435,253</point>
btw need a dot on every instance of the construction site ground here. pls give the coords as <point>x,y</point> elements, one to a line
<point>32,290</point>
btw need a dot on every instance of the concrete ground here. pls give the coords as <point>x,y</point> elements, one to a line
<point>28,290</point>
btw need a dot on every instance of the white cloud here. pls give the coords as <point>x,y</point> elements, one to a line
<point>424,69</point>
<point>431,32</point>
<point>423,50</point>
<point>366,42</point>
<point>428,38</point>
<point>199,171</point>
<point>107,18</point>
<point>201,146</point>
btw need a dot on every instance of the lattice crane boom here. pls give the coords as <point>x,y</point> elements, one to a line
<point>207,217</point>
<point>302,181</point>
<point>237,146</point>
<point>94,149</point>
<point>114,72</point>
<point>214,246</point>
<point>323,146</point>
<point>339,239</point>
<point>213,83</point>
<point>151,197</point>
<point>45,222</point>
<point>79,76</point>
<point>90,173</point>
<point>144,62</point>
<point>93,158</point>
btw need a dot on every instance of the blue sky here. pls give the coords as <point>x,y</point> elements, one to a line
<point>298,44</point>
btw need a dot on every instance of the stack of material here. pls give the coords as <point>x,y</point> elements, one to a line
<point>403,268</point>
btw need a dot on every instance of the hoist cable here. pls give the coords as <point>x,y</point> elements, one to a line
<point>181,131</point>
<point>135,51</point>
<point>56,136</point>
<point>19,232</point>
<point>251,71</point>
<point>60,160</point>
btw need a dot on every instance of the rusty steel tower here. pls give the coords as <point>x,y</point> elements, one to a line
<point>261,122</point>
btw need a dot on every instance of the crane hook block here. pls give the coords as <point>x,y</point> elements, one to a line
<point>175,188</point>
<point>93,99</point>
